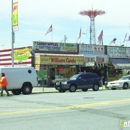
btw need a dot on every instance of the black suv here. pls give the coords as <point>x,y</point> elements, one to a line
<point>82,81</point>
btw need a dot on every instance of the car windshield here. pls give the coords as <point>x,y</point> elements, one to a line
<point>124,78</point>
<point>74,77</point>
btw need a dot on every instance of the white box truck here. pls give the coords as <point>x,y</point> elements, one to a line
<point>20,79</point>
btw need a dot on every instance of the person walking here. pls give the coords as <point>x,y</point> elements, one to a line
<point>3,84</point>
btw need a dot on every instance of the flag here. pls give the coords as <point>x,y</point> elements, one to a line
<point>100,37</point>
<point>113,41</point>
<point>125,38</point>
<point>79,34</point>
<point>128,39</point>
<point>15,14</point>
<point>49,30</point>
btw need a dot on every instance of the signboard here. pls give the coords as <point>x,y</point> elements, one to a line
<point>42,73</point>
<point>90,61</point>
<point>116,52</point>
<point>55,46</point>
<point>128,52</point>
<point>22,54</point>
<point>22,57</point>
<point>99,60</point>
<point>91,49</point>
<point>61,60</point>
<point>15,17</point>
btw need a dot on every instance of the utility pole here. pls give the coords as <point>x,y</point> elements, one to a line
<point>12,34</point>
<point>65,38</point>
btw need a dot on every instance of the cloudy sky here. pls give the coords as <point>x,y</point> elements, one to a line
<point>36,16</point>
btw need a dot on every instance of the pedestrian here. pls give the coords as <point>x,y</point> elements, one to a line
<point>3,84</point>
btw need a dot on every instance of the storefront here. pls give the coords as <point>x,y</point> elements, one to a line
<point>119,62</point>
<point>94,55</point>
<point>56,61</point>
<point>95,59</point>
<point>57,67</point>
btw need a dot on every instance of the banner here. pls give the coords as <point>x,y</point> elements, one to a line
<point>22,54</point>
<point>15,15</point>
<point>62,60</point>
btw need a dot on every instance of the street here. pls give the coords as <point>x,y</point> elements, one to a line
<point>101,110</point>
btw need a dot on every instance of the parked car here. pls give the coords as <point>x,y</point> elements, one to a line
<point>123,82</point>
<point>82,81</point>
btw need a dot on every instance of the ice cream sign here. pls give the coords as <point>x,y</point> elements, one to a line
<point>21,54</point>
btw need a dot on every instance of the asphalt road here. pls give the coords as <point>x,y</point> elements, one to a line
<point>102,110</point>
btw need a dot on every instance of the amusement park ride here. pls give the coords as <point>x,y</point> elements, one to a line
<point>92,14</point>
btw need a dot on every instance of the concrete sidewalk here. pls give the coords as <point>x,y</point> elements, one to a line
<point>44,90</point>
<point>53,90</point>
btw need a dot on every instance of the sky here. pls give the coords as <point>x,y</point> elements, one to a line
<point>36,16</point>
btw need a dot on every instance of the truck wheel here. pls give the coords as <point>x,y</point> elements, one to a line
<point>27,88</point>
<point>16,92</point>
<point>72,88</point>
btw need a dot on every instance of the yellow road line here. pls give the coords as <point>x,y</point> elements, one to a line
<point>105,103</point>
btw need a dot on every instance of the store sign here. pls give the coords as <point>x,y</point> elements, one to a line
<point>22,54</point>
<point>91,49</point>
<point>128,52</point>
<point>55,46</point>
<point>60,60</point>
<point>116,52</point>
<point>89,61</point>
<point>99,60</point>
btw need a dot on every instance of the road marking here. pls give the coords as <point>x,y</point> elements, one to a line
<point>105,103</point>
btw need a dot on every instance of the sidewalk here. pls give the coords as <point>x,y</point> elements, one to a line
<point>44,90</point>
<point>53,90</point>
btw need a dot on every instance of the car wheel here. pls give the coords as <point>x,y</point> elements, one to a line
<point>85,89</point>
<point>125,86</point>
<point>16,92</point>
<point>72,88</point>
<point>113,88</point>
<point>95,87</point>
<point>27,88</point>
<point>61,91</point>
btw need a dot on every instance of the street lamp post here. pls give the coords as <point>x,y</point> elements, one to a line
<point>12,34</point>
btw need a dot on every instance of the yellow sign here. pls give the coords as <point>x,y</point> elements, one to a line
<point>15,14</point>
<point>21,54</point>
<point>79,60</point>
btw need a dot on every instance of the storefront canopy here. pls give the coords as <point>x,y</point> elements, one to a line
<point>120,62</point>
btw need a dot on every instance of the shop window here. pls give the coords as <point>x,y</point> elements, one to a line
<point>63,71</point>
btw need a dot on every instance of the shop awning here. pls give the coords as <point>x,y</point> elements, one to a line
<point>120,63</point>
